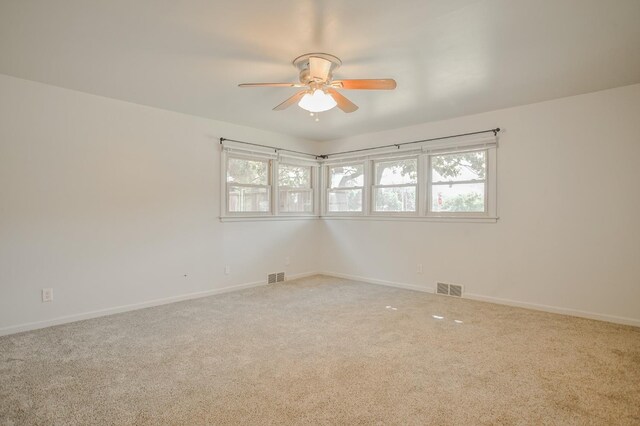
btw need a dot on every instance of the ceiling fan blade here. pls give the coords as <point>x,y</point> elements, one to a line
<point>319,68</point>
<point>292,100</point>
<point>270,85</point>
<point>343,103</point>
<point>371,84</point>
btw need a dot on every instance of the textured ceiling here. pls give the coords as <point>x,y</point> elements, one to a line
<point>449,57</point>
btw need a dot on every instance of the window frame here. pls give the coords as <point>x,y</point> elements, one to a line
<point>268,186</point>
<point>320,183</point>
<point>489,185</point>
<point>327,188</point>
<point>313,179</point>
<point>373,186</point>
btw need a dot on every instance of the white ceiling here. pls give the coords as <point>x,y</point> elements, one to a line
<point>449,57</point>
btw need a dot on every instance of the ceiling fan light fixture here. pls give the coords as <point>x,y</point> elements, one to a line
<point>319,101</point>
<point>320,91</point>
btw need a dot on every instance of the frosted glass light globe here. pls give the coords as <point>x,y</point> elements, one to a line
<point>318,102</point>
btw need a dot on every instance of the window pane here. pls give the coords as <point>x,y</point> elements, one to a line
<point>254,172</point>
<point>294,176</point>
<point>346,176</point>
<point>459,167</point>
<point>396,199</point>
<point>396,172</point>
<point>246,199</point>
<point>345,200</point>
<point>462,197</point>
<point>296,201</point>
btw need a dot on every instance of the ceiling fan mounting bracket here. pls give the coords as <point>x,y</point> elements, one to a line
<point>302,61</point>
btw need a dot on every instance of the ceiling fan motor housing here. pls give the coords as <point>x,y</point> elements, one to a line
<point>302,63</point>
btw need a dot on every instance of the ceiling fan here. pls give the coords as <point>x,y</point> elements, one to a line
<point>319,93</point>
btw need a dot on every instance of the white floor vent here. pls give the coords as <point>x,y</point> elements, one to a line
<point>275,278</point>
<point>449,289</point>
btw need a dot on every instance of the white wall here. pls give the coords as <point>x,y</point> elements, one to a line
<point>569,204</point>
<point>112,203</point>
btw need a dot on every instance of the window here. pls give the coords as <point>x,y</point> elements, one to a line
<point>295,193</point>
<point>448,184</point>
<point>345,188</point>
<point>248,189</point>
<point>454,180</point>
<point>258,184</point>
<point>395,184</point>
<point>458,183</point>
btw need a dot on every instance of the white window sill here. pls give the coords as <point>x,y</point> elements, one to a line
<point>451,219</point>
<point>468,219</point>
<point>249,218</point>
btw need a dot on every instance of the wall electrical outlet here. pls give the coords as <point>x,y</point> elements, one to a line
<point>287,261</point>
<point>227,269</point>
<point>419,268</point>
<point>47,294</point>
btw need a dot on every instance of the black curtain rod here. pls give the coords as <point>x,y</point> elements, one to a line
<point>270,147</point>
<point>397,145</point>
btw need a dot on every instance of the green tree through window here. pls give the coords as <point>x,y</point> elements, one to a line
<point>458,182</point>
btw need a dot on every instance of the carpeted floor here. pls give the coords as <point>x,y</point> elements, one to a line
<point>323,350</point>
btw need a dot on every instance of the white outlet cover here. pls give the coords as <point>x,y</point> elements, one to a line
<point>287,261</point>
<point>227,269</point>
<point>419,268</point>
<point>47,294</point>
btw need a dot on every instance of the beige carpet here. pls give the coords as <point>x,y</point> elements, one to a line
<point>323,351</point>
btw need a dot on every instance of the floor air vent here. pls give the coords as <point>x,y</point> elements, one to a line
<point>275,278</point>
<point>443,289</point>
<point>449,289</point>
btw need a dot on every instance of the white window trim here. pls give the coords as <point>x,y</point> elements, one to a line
<point>453,219</point>
<point>373,186</point>
<point>268,186</point>
<point>490,187</point>
<point>320,184</point>
<point>312,187</point>
<point>328,189</point>
<point>273,159</point>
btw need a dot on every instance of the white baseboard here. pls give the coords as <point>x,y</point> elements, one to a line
<point>499,301</point>
<point>379,282</point>
<point>156,302</point>
<point>132,307</point>
<point>555,310</point>
<point>302,275</point>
